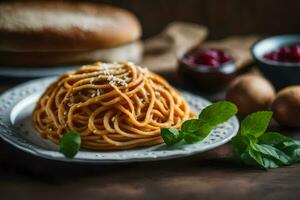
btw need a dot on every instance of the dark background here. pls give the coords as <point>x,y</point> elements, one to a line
<point>222,17</point>
<point>212,175</point>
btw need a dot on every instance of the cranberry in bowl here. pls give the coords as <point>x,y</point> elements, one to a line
<point>278,58</point>
<point>284,54</point>
<point>207,68</point>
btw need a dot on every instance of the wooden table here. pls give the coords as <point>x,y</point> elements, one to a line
<point>210,175</point>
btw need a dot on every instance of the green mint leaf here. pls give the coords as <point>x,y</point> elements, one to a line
<point>256,123</point>
<point>264,156</point>
<point>256,156</point>
<point>69,144</point>
<point>198,135</point>
<point>272,152</point>
<point>262,160</point>
<point>240,144</point>
<point>273,138</point>
<point>192,125</point>
<point>191,138</point>
<point>195,130</point>
<point>267,150</point>
<point>258,159</point>
<point>218,113</point>
<point>245,158</point>
<point>292,149</point>
<point>294,152</point>
<point>170,136</point>
<point>288,145</point>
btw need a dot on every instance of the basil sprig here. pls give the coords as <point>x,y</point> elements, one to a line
<point>69,144</point>
<point>195,130</point>
<point>263,149</point>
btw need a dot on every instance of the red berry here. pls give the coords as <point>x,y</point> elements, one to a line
<point>295,53</point>
<point>224,57</point>
<point>273,56</point>
<point>204,56</point>
<point>208,57</point>
<point>211,53</point>
<point>213,63</point>
<point>283,54</point>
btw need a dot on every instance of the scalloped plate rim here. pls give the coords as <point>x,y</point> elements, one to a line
<point>54,155</point>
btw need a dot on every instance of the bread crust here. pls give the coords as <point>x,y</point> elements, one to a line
<point>130,52</point>
<point>62,26</point>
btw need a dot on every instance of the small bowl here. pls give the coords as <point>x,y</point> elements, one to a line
<point>280,74</point>
<point>207,78</point>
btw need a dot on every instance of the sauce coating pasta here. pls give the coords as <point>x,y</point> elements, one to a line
<point>112,106</point>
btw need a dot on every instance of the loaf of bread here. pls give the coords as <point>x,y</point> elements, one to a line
<point>128,52</point>
<point>61,26</point>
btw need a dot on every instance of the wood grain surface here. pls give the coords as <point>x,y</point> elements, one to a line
<point>223,18</point>
<point>211,175</point>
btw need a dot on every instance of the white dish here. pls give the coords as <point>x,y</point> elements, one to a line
<point>32,72</point>
<point>16,128</point>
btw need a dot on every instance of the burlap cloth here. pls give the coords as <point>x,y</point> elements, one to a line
<point>161,52</point>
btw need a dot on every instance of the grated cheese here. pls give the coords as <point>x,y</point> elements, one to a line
<point>111,78</point>
<point>98,92</point>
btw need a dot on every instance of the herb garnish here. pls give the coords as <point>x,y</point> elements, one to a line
<point>265,150</point>
<point>69,144</point>
<point>195,130</point>
<point>253,146</point>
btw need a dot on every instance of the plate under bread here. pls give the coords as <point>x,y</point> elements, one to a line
<point>26,73</point>
<point>16,128</point>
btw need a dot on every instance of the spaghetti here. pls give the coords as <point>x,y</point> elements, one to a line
<point>112,106</point>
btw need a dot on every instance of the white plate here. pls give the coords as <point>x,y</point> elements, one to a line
<point>16,128</point>
<point>33,72</point>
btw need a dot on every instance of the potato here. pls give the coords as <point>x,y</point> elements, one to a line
<point>286,106</point>
<point>250,93</point>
